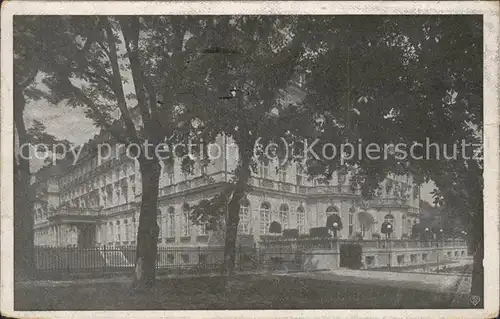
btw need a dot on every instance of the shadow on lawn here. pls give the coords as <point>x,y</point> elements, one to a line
<point>246,292</point>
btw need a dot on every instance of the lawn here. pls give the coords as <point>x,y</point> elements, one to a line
<point>247,292</point>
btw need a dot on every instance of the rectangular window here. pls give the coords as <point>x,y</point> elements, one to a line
<point>111,232</point>
<point>186,229</point>
<point>171,224</point>
<point>264,170</point>
<point>185,258</point>
<point>127,230</point>
<point>300,221</point>
<point>134,228</point>
<point>132,184</point>
<point>370,260</point>
<point>351,221</point>
<point>158,220</point>
<point>284,219</point>
<point>244,219</point>
<point>265,221</point>
<point>202,259</point>
<point>171,178</point>
<point>299,175</point>
<point>202,230</point>
<point>282,174</point>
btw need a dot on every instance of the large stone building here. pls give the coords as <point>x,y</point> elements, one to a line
<point>94,203</point>
<point>97,201</point>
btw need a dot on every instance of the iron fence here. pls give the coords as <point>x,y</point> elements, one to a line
<point>290,255</point>
<point>51,261</point>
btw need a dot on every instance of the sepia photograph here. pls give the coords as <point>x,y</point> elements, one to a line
<point>169,157</point>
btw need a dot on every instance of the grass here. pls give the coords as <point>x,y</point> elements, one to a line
<point>246,292</point>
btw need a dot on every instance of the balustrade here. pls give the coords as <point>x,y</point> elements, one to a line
<point>326,243</point>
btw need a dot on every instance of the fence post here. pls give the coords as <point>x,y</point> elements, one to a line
<point>68,259</point>
<point>104,256</point>
<point>239,258</point>
<point>438,252</point>
<point>256,256</point>
<point>199,258</point>
<point>390,254</point>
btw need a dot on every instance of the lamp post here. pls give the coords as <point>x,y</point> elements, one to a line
<point>389,230</point>
<point>437,248</point>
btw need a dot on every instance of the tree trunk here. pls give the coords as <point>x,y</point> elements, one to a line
<point>477,286</point>
<point>233,219</point>
<point>147,235</point>
<point>23,198</point>
<point>23,224</point>
<point>242,176</point>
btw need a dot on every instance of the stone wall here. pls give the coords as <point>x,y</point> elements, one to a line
<point>325,253</point>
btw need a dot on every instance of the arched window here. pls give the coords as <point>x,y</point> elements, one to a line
<point>127,229</point>
<point>352,210</point>
<point>366,222</point>
<point>301,220</point>
<point>284,216</point>
<point>118,230</point>
<point>186,225</point>
<point>134,228</point>
<point>265,217</point>
<point>331,210</point>
<point>243,226</point>
<point>171,222</point>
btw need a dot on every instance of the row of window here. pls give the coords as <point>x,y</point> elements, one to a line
<point>284,218</point>
<point>90,166</point>
<point>117,229</point>
<point>93,187</point>
<point>120,231</point>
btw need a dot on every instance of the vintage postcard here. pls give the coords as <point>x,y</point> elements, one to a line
<point>249,159</point>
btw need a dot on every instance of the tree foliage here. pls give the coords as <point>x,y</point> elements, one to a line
<point>247,63</point>
<point>379,80</point>
<point>127,72</point>
<point>409,80</point>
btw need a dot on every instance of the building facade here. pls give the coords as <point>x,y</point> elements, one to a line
<point>97,202</point>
